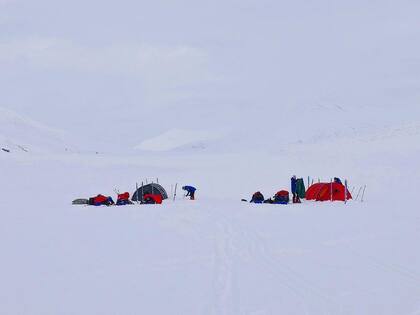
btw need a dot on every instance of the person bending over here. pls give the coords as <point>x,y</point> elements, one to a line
<point>190,191</point>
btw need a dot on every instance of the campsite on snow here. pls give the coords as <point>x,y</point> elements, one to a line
<point>213,157</point>
<point>154,193</point>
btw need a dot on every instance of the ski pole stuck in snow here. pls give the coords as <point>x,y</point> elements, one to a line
<point>176,186</point>
<point>363,193</point>
<point>358,193</point>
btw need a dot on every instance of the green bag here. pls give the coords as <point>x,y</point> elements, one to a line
<point>300,188</point>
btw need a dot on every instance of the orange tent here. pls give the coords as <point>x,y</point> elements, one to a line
<point>327,191</point>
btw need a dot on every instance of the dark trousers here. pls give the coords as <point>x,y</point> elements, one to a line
<point>191,195</point>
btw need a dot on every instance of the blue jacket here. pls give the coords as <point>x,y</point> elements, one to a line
<point>190,189</point>
<point>293,185</point>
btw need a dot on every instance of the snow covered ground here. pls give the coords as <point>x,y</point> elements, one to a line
<point>229,96</point>
<point>215,255</point>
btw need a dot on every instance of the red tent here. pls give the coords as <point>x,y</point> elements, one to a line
<point>327,191</point>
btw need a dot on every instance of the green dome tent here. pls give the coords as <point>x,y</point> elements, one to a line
<point>154,189</point>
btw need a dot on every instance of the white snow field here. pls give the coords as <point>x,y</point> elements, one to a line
<point>231,96</point>
<point>214,255</point>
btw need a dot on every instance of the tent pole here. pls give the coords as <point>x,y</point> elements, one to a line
<point>331,194</point>
<point>345,191</point>
<point>142,192</point>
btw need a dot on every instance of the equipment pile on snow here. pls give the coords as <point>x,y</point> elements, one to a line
<point>281,197</point>
<point>124,199</point>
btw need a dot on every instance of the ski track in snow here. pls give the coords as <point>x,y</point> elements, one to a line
<point>286,276</point>
<point>224,269</point>
<point>251,244</point>
<point>236,243</point>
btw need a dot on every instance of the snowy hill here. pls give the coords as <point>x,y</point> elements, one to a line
<point>314,124</point>
<point>178,139</point>
<point>22,134</point>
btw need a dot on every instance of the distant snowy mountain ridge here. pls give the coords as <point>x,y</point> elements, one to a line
<point>22,134</point>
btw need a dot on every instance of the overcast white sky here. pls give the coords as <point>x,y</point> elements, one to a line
<point>77,64</point>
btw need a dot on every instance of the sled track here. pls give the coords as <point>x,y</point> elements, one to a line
<point>236,242</point>
<point>224,269</point>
